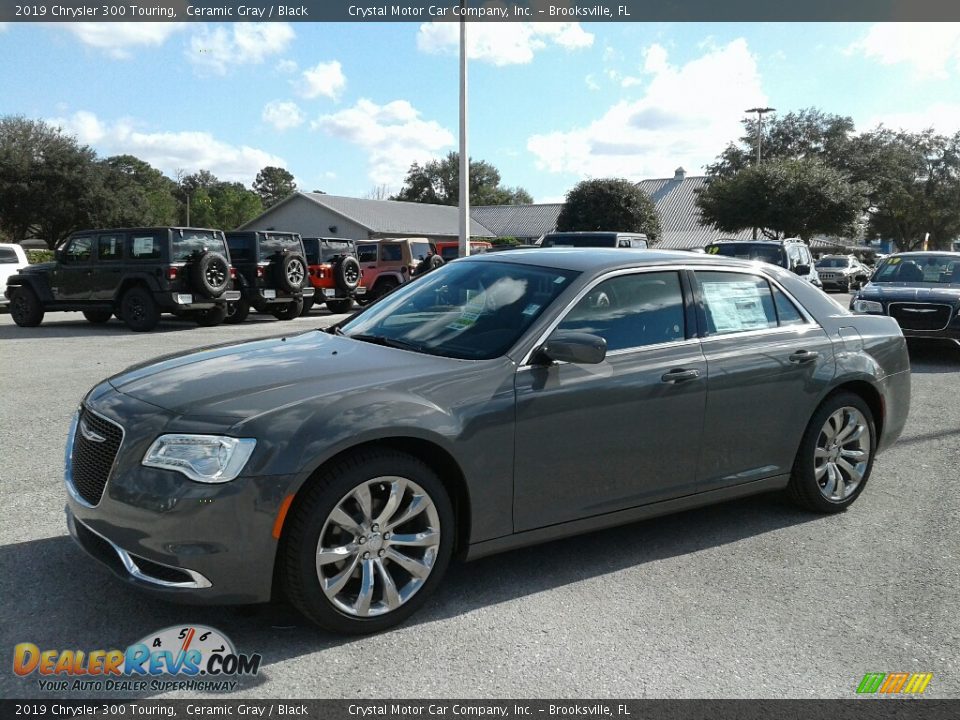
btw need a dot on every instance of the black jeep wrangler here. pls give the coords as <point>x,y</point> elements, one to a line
<point>271,274</point>
<point>133,273</point>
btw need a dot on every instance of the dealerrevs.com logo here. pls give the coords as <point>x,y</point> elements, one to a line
<point>197,657</point>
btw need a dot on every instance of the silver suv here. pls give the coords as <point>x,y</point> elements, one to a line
<point>791,253</point>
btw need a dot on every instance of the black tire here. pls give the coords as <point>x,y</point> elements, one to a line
<point>346,273</point>
<point>308,303</point>
<point>290,272</point>
<point>430,262</point>
<point>297,557</point>
<point>98,317</point>
<point>340,306</point>
<point>139,310</point>
<point>25,307</point>
<point>804,488</point>
<point>210,274</point>
<point>381,288</point>
<point>237,312</point>
<point>212,317</point>
<point>288,311</point>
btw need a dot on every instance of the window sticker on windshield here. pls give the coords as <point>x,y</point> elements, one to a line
<point>713,250</point>
<point>894,261</point>
<point>735,306</point>
<point>531,309</point>
<point>559,279</point>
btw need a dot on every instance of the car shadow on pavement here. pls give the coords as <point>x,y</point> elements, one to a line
<point>56,597</point>
<point>933,356</point>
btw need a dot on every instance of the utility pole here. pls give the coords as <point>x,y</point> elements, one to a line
<point>464,152</point>
<point>760,111</point>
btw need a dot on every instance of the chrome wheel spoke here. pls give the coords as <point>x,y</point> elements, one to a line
<point>852,472</point>
<point>391,596</point>
<point>821,471</point>
<point>848,427</point>
<point>855,435</point>
<point>857,455</point>
<point>414,567</point>
<point>340,517</point>
<point>366,589</point>
<point>427,538</point>
<point>821,453</point>
<point>397,488</point>
<point>362,496</point>
<point>830,488</point>
<point>418,504</point>
<point>335,584</point>
<point>325,556</point>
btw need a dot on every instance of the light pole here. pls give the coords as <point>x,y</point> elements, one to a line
<point>464,153</point>
<point>760,111</point>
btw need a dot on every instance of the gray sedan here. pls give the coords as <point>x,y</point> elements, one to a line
<point>499,401</point>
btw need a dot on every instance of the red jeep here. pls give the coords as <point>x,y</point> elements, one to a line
<point>334,272</point>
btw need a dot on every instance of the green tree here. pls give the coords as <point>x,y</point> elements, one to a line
<point>273,184</point>
<point>50,185</point>
<point>785,198</point>
<point>609,204</point>
<point>234,204</point>
<point>139,193</point>
<point>438,182</point>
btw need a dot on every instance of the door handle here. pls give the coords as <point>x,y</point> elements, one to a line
<point>801,357</point>
<point>679,375</point>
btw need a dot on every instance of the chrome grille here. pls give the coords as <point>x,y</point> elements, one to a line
<point>921,316</point>
<point>95,447</point>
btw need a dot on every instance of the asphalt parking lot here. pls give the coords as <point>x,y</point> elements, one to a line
<point>752,598</point>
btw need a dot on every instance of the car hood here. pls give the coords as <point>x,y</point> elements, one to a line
<point>37,268</point>
<point>244,380</point>
<point>904,292</point>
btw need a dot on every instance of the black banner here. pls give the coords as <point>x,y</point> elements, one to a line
<point>865,709</point>
<point>477,11</point>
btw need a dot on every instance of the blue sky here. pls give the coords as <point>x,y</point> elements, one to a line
<point>347,107</point>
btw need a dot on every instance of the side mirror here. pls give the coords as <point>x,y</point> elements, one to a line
<point>574,347</point>
<point>802,269</point>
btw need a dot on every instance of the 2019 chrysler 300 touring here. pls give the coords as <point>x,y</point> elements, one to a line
<point>499,401</point>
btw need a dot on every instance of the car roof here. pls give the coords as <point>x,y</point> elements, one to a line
<point>922,253</point>
<point>143,229</point>
<point>603,259</point>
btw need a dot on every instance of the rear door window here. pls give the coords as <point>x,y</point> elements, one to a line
<point>193,242</point>
<point>144,246</point>
<point>273,243</point>
<point>734,302</point>
<point>391,253</point>
<point>367,253</point>
<point>239,248</point>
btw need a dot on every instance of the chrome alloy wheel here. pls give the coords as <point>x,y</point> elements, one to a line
<point>296,272</point>
<point>842,453</point>
<point>378,546</point>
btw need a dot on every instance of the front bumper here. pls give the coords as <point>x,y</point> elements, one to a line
<point>159,531</point>
<point>950,331</point>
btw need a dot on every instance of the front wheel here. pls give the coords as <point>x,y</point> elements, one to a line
<point>289,310</point>
<point>367,542</point>
<point>835,457</point>
<point>25,307</point>
<point>237,312</point>
<point>340,306</point>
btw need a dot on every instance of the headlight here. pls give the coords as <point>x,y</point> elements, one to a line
<point>867,306</point>
<point>203,458</point>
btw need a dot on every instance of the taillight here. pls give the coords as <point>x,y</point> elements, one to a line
<point>260,272</point>
<point>233,273</point>
<point>172,273</point>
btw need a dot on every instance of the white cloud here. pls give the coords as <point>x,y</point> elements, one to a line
<point>943,117</point>
<point>3,26</point>
<point>394,136</point>
<point>326,79</point>
<point>687,113</point>
<point>286,66</point>
<point>220,48</point>
<point>508,43</point>
<point>283,115</point>
<point>933,49</point>
<point>169,151</point>
<point>591,82</point>
<point>118,38</point>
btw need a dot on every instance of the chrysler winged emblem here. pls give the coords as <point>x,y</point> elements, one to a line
<point>90,434</point>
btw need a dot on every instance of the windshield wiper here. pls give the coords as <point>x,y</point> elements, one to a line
<point>390,342</point>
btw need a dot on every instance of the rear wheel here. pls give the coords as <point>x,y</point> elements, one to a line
<point>367,542</point>
<point>139,310</point>
<point>340,306</point>
<point>98,317</point>
<point>25,307</point>
<point>212,317</point>
<point>237,311</point>
<point>288,311</point>
<point>382,288</point>
<point>836,455</point>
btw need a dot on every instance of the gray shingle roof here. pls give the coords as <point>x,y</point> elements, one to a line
<point>681,226</point>
<point>524,221</point>
<point>392,216</point>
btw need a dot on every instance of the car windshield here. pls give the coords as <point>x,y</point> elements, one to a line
<point>833,263</point>
<point>270,244</point>
<point>194,242</point>
<point>329,249</point>
<point>748,251</point>
<point>925,268</point>
<point>450,252</point>
<point>419,250</point>
<point>466,310</point>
